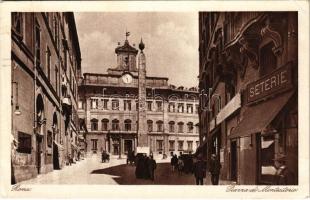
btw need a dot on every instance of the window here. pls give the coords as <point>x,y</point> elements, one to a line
<point>24,143</point>
<point>127,125</point>
<point>180,127</point>
<point>150,125</point>
<point>190,146</point>
<point>49,139</point>
<point>37,44</point>
<point>180,107</point>
<point>171,107</point>
<point>115,125</point>
<point>149,105</point>
<point>159,105</point>
<point>190,127</point>
<point>56,79</point>
<point>180,145</point>
<point>159,145</point>
<point>127,105</point>
<point>115,104</point>
<point>159,126</point>
<point>196,108</point>
<point>56,31</point>
<point>17,23</point>
<point>105,104</point>
<point>267,60</point>
<point>171,145</point>
<point>104,124</point>
<point>197,128</point>
<point>171,126</point>
<point>189,108</point>
<point>137,105</point>
<point>197,144</point>
<point>94,103</point>
<point>94,145</point>
<point>80,104</point>
<point>48,63</point>
<point>94,124</point>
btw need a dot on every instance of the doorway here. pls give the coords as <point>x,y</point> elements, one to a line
<point>39,152</point>
<point>128,146</point>
<point>115,149</point>
<point>234,160</point>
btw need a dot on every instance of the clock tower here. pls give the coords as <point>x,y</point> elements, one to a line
<point>142,133</point>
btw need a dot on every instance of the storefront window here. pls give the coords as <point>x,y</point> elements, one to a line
<point>267,152</point>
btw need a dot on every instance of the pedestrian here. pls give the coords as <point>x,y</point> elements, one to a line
<point>180,165</point>
<point>151,167</point>
<point>139,166</point>
<point>146,174</point>
<point>199,170</point>
<point>215,167</point>
<point>175,162</point>
<point>283,175</point>
<point>172,162</point>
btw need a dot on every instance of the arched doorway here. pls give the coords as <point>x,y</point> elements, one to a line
<point>40,127</point>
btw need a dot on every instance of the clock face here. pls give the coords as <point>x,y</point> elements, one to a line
<point>127,78</point>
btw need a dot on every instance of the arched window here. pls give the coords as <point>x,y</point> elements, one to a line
<point>104,124</point>
<point>171,107</point>
<point>115,125</point>
<point>190,127</point>
<point>94,124</point>
<point>127,125</point>
<point>160,126</point>
<point>150,125</point>
<point>171,126</point>
<point>180,127</point>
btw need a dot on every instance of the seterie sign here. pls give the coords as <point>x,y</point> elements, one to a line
<point>273,83</point>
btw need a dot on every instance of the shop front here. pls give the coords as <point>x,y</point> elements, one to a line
<point>267,129</point>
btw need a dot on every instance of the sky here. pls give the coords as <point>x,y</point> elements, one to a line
<point>170,38</point>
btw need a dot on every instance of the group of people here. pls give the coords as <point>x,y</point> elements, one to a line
<point>200,170</point>
<point>145,166</point>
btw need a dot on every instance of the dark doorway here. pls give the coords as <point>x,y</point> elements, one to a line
<point>128,146</point>
<point>55,157</point>
<point>234,161</point>
<point>39,152</point>
<point>115,149</point>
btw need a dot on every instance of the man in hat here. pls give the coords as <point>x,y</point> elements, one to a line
<point>215,167</point>
<point>283,175</point>
<point>199,170</point>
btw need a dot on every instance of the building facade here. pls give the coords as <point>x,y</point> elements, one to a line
<point>113,105</point>
<point>248,84</point>
<point>46,65</point>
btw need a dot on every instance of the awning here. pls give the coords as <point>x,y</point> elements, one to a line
<point>258,117</point>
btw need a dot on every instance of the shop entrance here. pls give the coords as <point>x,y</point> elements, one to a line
<point>115,149</point>
<point>128,146</point>
<point>234,161</point>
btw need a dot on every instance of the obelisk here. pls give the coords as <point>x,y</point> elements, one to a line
<point>142,133</point>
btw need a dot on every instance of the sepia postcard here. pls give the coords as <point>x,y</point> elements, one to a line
<point>142,99</point>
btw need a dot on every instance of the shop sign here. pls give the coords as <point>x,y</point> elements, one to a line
<point>230,108</point>
<point>271,84</point>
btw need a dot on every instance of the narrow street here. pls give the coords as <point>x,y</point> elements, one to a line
<point>92,171</point>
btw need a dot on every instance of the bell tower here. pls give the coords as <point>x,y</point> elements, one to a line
<point>142,133</point>
<point>126,56</point>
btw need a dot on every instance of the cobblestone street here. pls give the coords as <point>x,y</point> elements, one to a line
<point>92,171</point>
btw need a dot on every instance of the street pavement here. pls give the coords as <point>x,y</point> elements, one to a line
<point>116,172</point>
